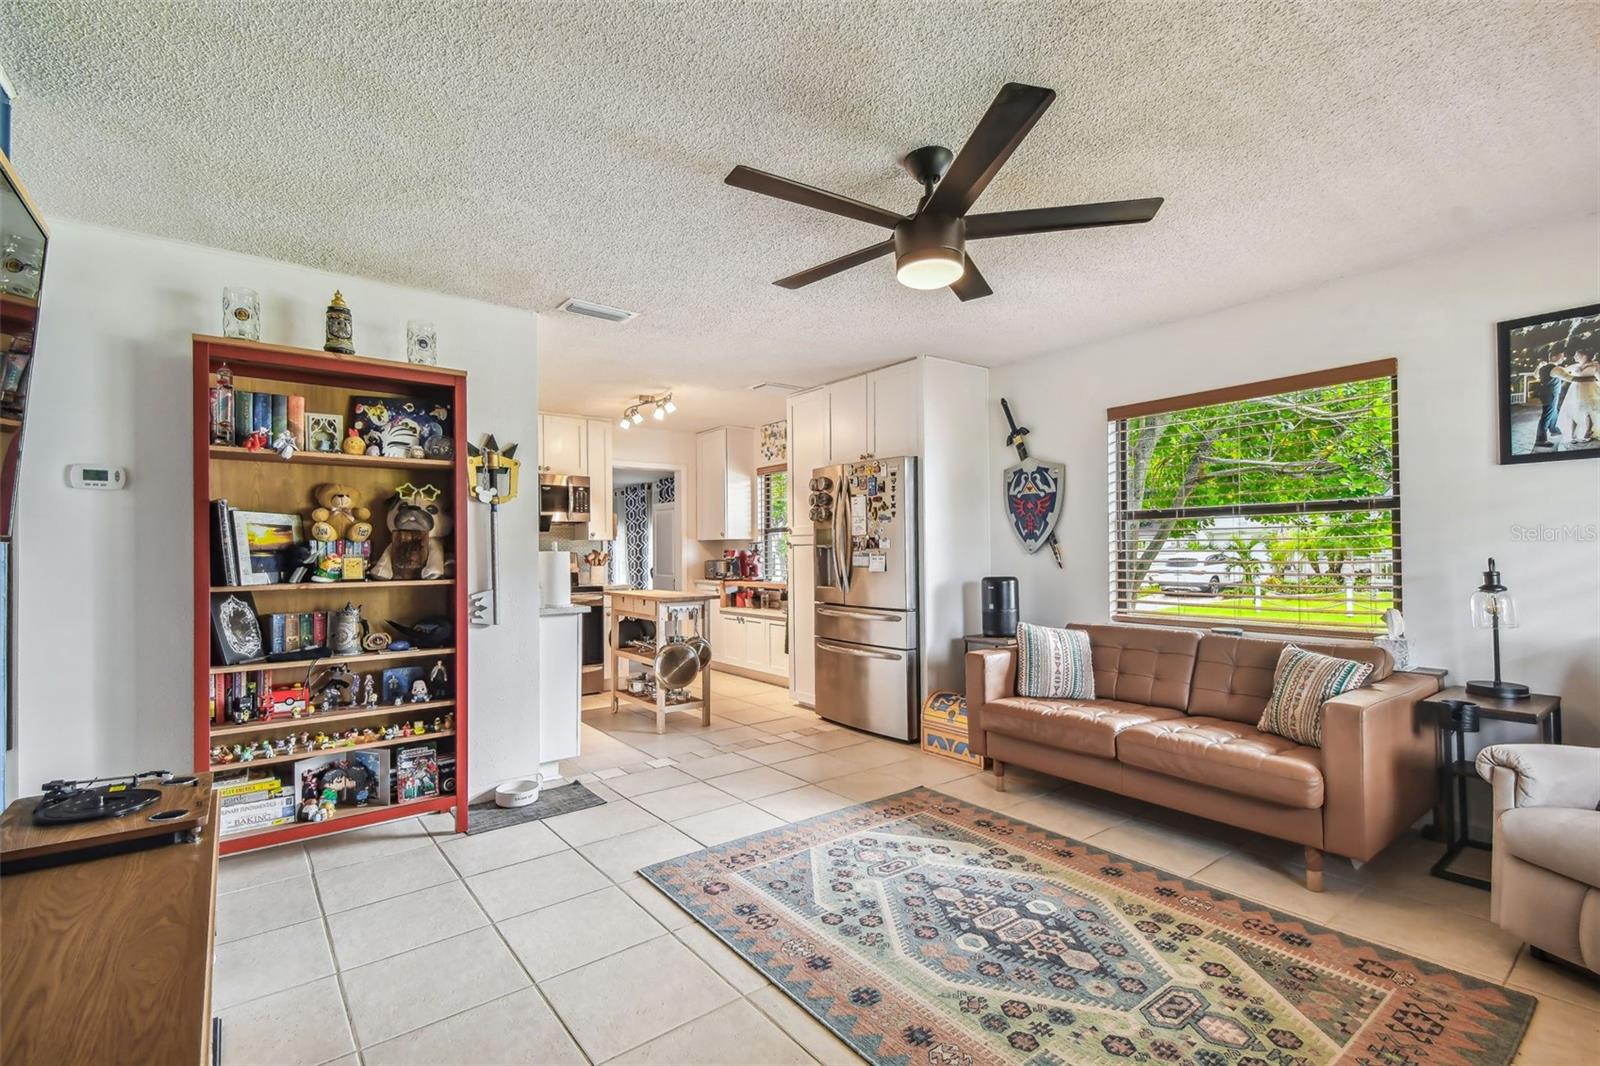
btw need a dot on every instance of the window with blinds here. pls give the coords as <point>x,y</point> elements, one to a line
<point>1271,505</point>
<point>773,534</point>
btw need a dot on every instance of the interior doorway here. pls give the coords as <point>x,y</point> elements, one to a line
<point>648,551</point>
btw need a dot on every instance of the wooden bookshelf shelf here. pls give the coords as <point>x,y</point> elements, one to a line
<point>303,664</point>
<point>263,481</point>
<point>307,722</point>
<point>347,586</point>
<point>418,738</point>
<point>230,453</point>
<point>347,818</point>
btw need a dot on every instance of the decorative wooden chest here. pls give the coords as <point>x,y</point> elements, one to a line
<point>944,728</point>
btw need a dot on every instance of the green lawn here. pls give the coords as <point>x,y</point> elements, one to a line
<point>1317,611</point>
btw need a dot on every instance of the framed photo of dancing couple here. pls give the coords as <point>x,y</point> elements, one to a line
<point>1550,386</point>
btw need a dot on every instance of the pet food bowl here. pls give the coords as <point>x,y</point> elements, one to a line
<point>518,792</point>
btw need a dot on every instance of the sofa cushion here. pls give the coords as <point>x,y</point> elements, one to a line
<point>1053,664</point>
<point>1232,756</point>
<point>1233,675</point>
<point>1148,665</point>
<point>1084,727</point>
<point>1304,681</point>
<point>1554,837</point>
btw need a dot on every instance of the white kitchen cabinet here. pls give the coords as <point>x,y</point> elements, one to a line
<point>560,690</point>
<point>564,444</point>
<point>848,419</point>
<point>597,444</point>
<point>894,400</point>
<point>803,623</point>
<point>778,647</point>
<point>733,648</point>
<point>810,446</point>
<point>725,478</point>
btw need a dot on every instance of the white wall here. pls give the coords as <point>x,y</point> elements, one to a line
<point>1437,317</point>
<point>655,449</point>
<point>104,616</point>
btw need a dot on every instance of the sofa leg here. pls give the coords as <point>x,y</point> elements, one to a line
<point>1314,869</point>
<point>999,776</point>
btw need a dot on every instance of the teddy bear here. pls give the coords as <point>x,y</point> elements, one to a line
<point>339,515</point>
<point>418,525</point>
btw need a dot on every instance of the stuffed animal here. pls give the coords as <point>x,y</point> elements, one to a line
<point>418,525</point>
<point>339,515</point>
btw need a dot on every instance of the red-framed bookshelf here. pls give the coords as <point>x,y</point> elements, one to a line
<point>262,481</point>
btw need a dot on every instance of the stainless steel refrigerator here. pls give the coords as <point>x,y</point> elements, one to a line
<point>865,518</point>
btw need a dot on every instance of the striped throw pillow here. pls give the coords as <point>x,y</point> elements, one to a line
<point>1054,664</point>
<point>1302,682</point>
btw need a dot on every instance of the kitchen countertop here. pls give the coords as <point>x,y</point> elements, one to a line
<point>756,612</point>
<point>550,611</point>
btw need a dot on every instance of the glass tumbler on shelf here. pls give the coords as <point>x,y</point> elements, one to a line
<point>421,345</point>
<point>241,313</point>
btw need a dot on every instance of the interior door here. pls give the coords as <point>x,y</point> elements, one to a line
<point>667,546</point>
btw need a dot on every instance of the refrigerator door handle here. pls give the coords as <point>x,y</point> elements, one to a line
<point>862,653</point>
<point>841,519</point>
<point>861,612</point>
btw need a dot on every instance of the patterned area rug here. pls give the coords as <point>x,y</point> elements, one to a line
<point>924,930</point>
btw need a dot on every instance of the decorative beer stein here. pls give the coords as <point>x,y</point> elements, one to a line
<point>341,329</point>
<point>346,628</point>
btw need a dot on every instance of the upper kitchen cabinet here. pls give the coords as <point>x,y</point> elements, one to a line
<point>725,480</point>
<point>563,444</point>
<point>894,401</point>
<point>810,446</point>
<point>850,416</point>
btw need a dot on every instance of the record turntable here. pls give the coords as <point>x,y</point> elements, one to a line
<point>77,820</point>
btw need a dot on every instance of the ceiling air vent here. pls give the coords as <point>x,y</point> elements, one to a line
<point>600,311</point>
<point>775,387</point>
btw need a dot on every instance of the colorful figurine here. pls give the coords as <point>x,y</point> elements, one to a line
<point>439,680</point>
<point>352,443</point>
<point>417,728</point>
<point>284,445</point>
<point>449,723</point>
<point>419,691</point>
<point>329,568</point>
<point>369,691</point>
<point>256,441</point>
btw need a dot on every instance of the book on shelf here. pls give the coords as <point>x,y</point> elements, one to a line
<point>267,413</point>
<point>290,631</point>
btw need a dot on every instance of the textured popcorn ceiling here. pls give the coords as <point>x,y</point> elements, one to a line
<point>522,153</point>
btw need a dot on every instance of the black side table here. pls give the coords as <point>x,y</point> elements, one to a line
<point>1458,713</point>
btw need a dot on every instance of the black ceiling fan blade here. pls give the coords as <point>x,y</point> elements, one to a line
<point>1014,111</point>
<point>760,181</point>
<point>1051,219</point>
<point>836,266</point>
<point>970,285</point>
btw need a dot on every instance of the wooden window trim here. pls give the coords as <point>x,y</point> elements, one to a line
<point>1339,375</point>
<point>775,468</point>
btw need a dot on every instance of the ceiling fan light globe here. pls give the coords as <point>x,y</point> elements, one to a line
<point>933,269</point>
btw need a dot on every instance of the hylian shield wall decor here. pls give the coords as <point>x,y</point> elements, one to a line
<point>1035,492</point>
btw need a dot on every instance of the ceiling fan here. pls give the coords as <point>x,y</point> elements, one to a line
<point>929,245</point>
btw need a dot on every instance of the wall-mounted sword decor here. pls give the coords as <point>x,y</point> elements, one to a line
<point>1035,492</point>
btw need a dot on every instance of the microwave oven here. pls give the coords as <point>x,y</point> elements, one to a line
<point>721,569</point>
<point>563,498</point>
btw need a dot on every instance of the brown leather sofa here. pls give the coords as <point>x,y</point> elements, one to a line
<point>1174,723</point>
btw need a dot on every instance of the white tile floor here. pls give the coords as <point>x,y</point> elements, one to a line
<point>405,943</point>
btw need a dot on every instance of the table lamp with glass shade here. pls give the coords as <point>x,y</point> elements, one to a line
<point>1494,609</point>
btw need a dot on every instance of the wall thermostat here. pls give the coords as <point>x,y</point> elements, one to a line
<point>80,476</point>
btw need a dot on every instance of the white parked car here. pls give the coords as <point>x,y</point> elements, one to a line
<point>1212,573</point>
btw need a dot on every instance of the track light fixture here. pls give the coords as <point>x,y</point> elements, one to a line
<point>661,406</point>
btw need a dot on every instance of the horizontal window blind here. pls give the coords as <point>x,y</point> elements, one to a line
<point>1272,505</point>
<point>773,503</point>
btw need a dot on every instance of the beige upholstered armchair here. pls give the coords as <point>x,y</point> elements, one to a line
<point>1546,872</point>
